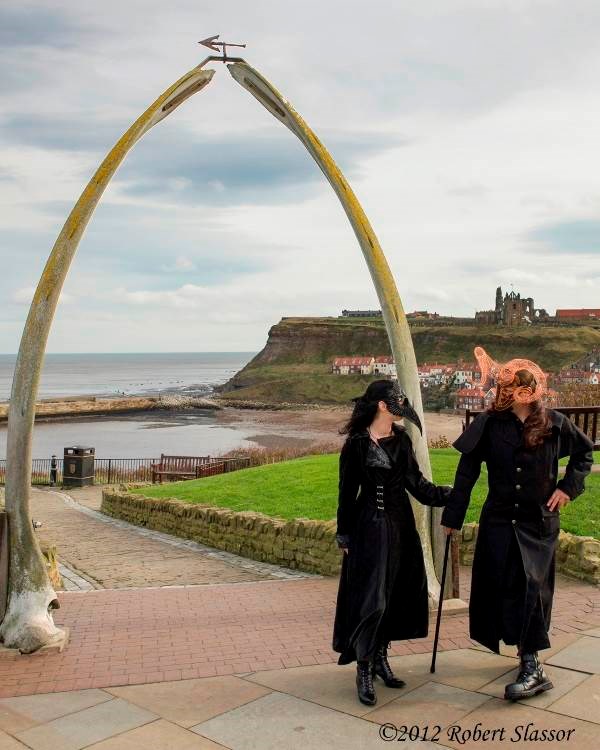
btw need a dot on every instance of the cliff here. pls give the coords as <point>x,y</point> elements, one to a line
<point>295,364</point>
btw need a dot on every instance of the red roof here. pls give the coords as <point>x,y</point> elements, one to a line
<point>348,361</point>
<point>384,360</point>
<point>582,312</point>
<point>474,392</point>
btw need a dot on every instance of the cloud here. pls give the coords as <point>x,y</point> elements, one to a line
<point>468,191</point>
<point>178,165</point>
<point>233,169</point>
<point>467,155</point>
<point>29,25</point>
<point>181,264</point>
<point>81,131</point>
<point>580,236</point>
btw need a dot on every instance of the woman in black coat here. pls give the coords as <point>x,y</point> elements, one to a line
<point>382,593</point>
<point>512,583</point>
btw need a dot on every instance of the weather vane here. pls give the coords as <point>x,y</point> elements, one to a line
<point>212,44</point>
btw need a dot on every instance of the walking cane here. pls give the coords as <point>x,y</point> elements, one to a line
<point>439,612</point>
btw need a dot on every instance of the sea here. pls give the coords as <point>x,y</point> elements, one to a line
<point>144,435</point>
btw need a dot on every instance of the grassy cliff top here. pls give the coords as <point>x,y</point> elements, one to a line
<point>320,339</point>
<point>295,364</point>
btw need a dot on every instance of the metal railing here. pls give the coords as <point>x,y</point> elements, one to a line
<point>584,417</point>
<point>117,470</point>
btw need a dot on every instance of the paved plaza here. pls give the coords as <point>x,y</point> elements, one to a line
<point>246,663</point>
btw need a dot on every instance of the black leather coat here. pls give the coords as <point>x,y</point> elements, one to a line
<point>512,582</point>
<point>382,594</point>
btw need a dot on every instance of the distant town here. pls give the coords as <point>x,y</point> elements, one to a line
<point>462,380</point>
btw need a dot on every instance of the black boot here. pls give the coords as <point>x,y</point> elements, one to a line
<point>531,680</point>
<point>381,667</point>
<point>364,683</point>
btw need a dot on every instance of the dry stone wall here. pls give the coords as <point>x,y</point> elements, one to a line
<point>302,544</point>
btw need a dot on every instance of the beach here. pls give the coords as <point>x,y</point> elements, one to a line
<point>302,427</point>
<point>193,431</point>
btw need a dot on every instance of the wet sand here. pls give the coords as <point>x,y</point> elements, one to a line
<point>202,431</point>
<point>291,428</point>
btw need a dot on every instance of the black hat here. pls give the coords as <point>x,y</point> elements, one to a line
<point>395,398</point>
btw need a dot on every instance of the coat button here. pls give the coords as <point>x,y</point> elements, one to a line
<point>516,505</point>
<point>517,486</point>
<point>514,521</point>
<point>518,468</point>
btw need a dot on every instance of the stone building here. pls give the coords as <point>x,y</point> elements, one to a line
<point>384,365</point>
<point>361,314</point>
<point>511,310</point>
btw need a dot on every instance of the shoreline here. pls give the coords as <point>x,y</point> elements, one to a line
<point>305,426</point>
<point>73,407</point>
<point>267,426</point>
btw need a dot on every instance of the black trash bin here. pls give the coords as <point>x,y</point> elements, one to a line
<point>78,466</point>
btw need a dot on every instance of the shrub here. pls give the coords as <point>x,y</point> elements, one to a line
<point>259,456</point>
<point>440,442</point>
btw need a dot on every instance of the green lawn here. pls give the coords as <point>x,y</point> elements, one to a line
<point>307,488</point>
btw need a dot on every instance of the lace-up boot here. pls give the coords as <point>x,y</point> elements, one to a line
<point>364,683</point>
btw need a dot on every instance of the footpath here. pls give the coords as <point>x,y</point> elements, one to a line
<point>177,647</point>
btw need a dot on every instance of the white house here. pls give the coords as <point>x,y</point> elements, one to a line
<point>384,366</point>
<point>353,365</point>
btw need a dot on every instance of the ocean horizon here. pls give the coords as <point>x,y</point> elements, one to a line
<point>141,373</point>
<point>130,374</point>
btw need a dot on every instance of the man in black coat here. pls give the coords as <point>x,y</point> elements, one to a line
<point>513,567</point>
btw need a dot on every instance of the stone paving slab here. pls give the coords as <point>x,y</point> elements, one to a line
<point>159,735</point>
<point>83,728</point>
<point>560,640</point>
<point>329,685</point>
<point>514,719</point>
<point>19,714</point>
<point>10,743</point>
<point>467,669</point>
<point>190,702</point>
<point>431,703</point>
<point>260,710</point>
<point>582,655</point>
<point>583,702</point>
<point>278,720</point>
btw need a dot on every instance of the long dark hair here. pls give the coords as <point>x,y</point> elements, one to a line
<point>537,426</point>
<point>365,407</point>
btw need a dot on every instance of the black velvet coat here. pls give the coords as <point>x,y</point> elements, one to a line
<point>382,594</point>
<point>512,583</point>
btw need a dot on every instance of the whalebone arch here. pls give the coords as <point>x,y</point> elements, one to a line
<point>27,623</point>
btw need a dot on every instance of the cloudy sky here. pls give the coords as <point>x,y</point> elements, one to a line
<point>469,129</point>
